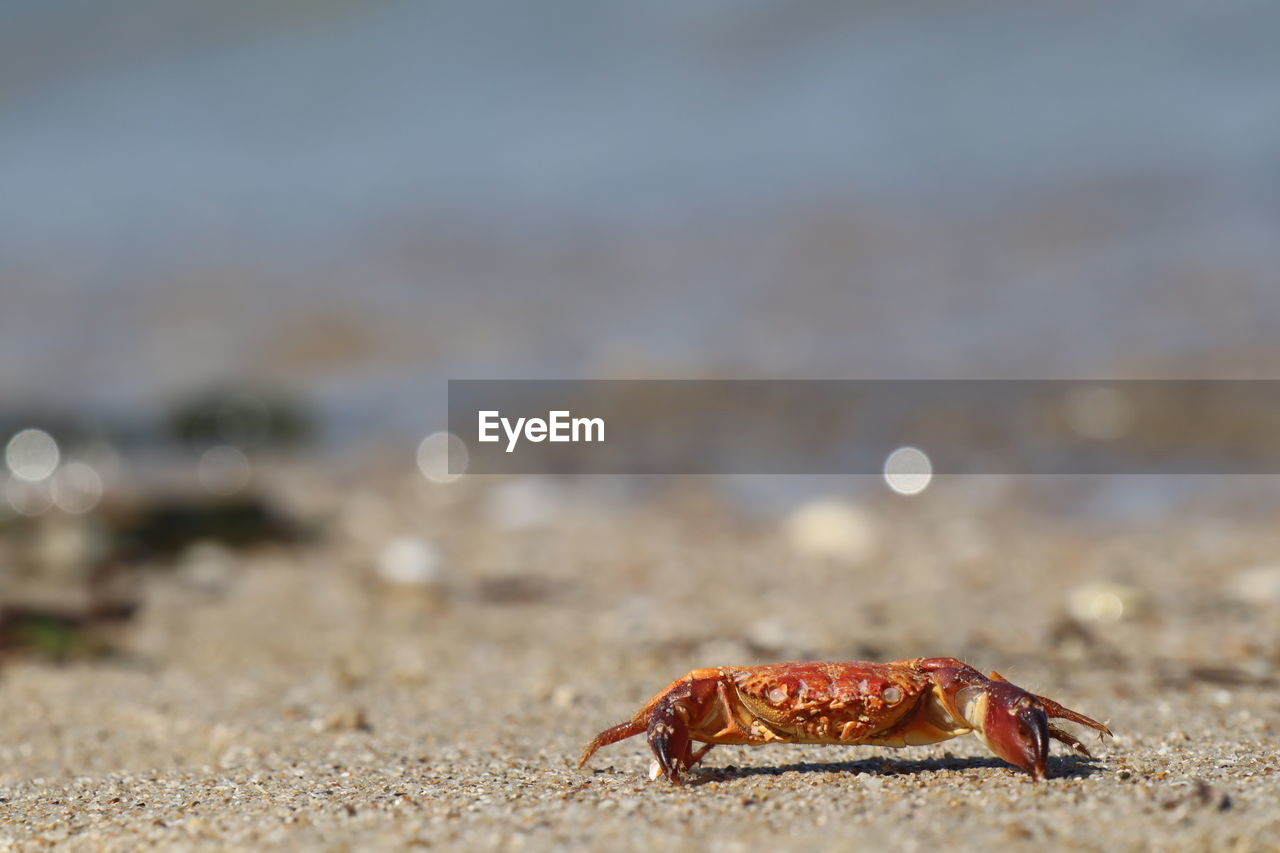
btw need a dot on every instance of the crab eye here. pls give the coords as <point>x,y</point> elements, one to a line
<point>892,695</point>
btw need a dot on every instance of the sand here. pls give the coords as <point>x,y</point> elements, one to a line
<point>295,698</point>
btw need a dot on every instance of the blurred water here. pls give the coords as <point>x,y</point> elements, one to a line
<point>359,200</point>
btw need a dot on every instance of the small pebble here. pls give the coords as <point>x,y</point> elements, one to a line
<point>409,561</point>
<point>831,529</point>
<point>1259,586</point>
<point>1103,602</point>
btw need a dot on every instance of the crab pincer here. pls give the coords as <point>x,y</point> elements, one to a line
<point>903,703</point>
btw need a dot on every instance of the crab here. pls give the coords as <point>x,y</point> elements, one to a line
<point>902,703</point>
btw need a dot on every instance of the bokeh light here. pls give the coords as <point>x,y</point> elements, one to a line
<point>224,470</point>
<point>32,455</point>
<point>27,497</point>
<point>908,471</point>
<point>434,453</point>
<point>76,488</point>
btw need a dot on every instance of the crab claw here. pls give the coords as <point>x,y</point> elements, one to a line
<point>1016,728</point>
<point>1012,722</point>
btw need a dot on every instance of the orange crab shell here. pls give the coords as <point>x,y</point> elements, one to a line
<point>820,703</point>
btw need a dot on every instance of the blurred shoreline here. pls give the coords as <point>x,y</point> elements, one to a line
<point>359,203</point>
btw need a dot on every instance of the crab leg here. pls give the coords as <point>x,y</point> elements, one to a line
<point>669,720</point>
<point>1070,740</point>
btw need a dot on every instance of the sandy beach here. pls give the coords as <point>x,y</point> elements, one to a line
<point>324,697</point>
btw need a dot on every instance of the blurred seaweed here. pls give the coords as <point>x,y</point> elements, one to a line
<point>61,635</point>
<point>242,419</point>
